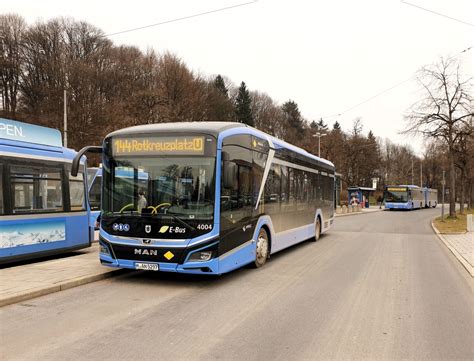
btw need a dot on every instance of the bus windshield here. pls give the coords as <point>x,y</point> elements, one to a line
<point>149,186</point>
<point>396,195</point>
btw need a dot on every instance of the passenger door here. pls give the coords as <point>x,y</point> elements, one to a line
<point>236,221</point>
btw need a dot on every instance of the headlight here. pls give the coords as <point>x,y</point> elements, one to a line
<point>104,249</point>
<point>200,256</point>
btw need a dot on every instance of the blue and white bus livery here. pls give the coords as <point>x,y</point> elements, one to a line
<point>431,197</point>
<point>216,196</point>
<point>43,208</point>
<point>403,197</point>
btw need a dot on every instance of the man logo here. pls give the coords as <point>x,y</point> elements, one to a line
<point>146,241</point>
<point>145,252</point>
<point>147,228</point>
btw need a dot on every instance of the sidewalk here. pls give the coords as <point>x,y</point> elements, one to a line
<point>26,281</point>
<point>363,211</point>
<point>462,247</point>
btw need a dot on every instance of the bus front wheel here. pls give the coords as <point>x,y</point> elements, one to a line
<point>262,249</point>
<point>317,229</point>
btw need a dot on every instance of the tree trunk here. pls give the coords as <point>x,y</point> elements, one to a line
<point>452,184</point>
<point>470,186</point>
<point>461,193</point>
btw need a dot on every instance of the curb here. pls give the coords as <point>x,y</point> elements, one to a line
<point>59,287</point>
<point>357,213</point>
<point>453,250</point>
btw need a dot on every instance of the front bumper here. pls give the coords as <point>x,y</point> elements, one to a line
<point>126,256</point>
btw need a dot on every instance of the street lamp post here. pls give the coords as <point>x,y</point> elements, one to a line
<point>319,135</point>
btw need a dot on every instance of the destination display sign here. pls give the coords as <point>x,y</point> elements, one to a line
<point>396,189</point>
<point>179,145</point>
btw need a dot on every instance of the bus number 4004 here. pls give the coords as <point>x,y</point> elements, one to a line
<point>204,227</point>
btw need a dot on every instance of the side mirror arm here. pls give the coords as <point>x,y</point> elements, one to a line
<point>77,159</point>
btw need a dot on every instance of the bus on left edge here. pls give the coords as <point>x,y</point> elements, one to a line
<point>43,208</point>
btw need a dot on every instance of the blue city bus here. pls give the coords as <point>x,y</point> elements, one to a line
<point>403,197</point>
<point>43,208</point>
<point>217,196</point>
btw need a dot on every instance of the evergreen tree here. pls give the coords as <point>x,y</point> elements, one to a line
<point>336,126</point>
<point>293,115</point>
<point>296,128</point>
<point>220,85</point>
<point>321,125</point>
<point>313,125</point>
<point>371,137</point>
<point>243,106</point>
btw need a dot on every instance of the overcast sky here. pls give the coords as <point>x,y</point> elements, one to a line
<point>328,56</point>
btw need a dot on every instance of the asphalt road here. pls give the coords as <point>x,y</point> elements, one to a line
<point>377,286</point>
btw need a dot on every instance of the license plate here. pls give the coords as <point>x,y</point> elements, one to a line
<point>147,266</point>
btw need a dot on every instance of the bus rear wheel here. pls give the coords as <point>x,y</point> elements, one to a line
<point>262,249</point>
<point>317,229</point>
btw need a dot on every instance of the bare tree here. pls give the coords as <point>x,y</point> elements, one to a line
<point>444,112</point>
<point>463,149</point>
<point>268,115</point>
<point>12,32</point>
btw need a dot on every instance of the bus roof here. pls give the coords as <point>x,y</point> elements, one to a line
<point>211,128</point>
<point>29,141</point>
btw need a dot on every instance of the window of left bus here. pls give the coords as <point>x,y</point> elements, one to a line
<point>76,192</point>
<point>36,189</point>
<point>1,189</point>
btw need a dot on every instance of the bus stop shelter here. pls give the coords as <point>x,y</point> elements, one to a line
<point>359,196</point>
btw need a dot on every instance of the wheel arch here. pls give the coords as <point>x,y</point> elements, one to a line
<point>269,235</point>
<point>319,214</point>
<point>265,222</point>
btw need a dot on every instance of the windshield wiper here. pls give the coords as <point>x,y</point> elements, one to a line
<point>126,212</point>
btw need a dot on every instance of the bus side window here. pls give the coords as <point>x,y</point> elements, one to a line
<point>94,194</point>
<point>284,184</point>
<point>236,197</point>
<point>76,192</point>
<point>272,190</point>
<point>258,167</point>
<point>36,189</point>
<point>292,186</point>
<point>1,189</point>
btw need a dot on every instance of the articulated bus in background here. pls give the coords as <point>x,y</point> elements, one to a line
<point>409,197</point>
<point>431,197</point>
<point>43,208</point>
<point>207,197</point>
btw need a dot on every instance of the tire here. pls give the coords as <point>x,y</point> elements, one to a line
<point>317,229</point>
<point>262,249</point>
